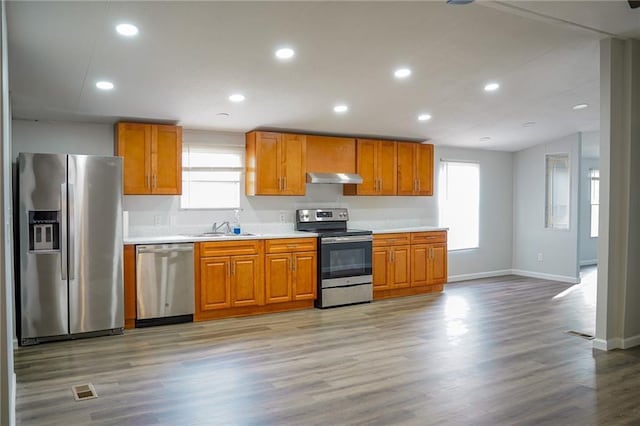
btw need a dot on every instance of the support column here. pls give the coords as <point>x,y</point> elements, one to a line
<point>617,316</point>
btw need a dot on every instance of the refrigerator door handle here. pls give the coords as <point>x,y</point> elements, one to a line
<point>63,239</point>
<point>71,232</point>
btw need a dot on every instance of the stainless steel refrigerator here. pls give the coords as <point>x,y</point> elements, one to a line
<point>70,246</point>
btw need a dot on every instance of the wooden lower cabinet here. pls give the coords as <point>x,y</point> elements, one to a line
<point>305,276</point>
<point>236,278</point>
<point>391,267</point>
<point>230,281</point>
<point>438,264</point>
<point>418,267</point>
<point>290,275</point>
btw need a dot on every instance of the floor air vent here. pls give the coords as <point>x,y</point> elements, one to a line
<point>578,334</point>
<point>84,392</point>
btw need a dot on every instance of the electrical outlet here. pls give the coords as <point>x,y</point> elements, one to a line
<point>283,217</point>
<point>539,257</point>
<point>156,219</point>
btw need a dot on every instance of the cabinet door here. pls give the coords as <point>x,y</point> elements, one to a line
<point>166,160</point>
<point>419,265</point>
<point>380,265</point>
<point>366,164</point>
<point>401,266</point>
<point>304,276</point>
<point>424,169</point>
<point>438,264</point>
<point>407,183</point>
<point>134,146</point>
<point>278,278</point>
<point>246,281</point>
<point>293,158</point>
<point>387,168</point>
<point>268,181</point>
<point>215,285</point>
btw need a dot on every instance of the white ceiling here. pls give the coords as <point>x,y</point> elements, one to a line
<point>189,57</point>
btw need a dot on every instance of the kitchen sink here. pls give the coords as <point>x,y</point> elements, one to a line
<point>218,235</point>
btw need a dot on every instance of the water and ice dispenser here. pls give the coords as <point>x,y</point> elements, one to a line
<point>44,230</point>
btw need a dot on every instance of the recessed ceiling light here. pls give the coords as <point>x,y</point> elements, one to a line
<point>128,30</point>
<point>402,73</point>
<point>104,85</point>
<point>485,138</point>
<point>341,108</point>
<point>424,117</point>
<point>285,53</point>
<point>236,97</point>
<point>491,87</point>
<point>580,106</point>
<point>223,114</point>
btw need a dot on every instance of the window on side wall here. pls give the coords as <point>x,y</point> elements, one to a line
<point>211,176</point>
<point>594,178</point>
<point>459,203</point>
<point>557,191</point>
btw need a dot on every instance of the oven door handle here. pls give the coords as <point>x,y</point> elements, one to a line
<point>352,239</point>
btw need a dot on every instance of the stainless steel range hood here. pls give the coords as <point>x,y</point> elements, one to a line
<point>333,178</point>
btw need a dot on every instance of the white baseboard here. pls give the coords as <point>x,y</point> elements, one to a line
<point>589,262</point>
<point>541,275</point>
<point>475,276</point>
<point>616,343</point>
<point>631,342</point>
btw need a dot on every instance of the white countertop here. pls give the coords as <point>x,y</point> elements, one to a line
<point>188,238</point>
<point>409,229</point>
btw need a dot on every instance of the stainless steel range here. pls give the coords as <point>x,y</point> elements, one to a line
<point>344,257</point>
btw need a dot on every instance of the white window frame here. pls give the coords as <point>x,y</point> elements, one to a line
<point>443,182</point>
<point>551,206</point>
<point>213,148</point>
<point>594,175</point>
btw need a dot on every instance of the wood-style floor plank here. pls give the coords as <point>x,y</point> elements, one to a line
<point>484,352</point>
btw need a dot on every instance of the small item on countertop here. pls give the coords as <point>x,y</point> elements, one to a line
<point>236,222</point>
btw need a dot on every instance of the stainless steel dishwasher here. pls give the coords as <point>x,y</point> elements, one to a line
<point>164,284</point>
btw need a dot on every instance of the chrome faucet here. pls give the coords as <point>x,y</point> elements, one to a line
<point>219,228</point>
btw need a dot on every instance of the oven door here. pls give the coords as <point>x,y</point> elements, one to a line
<point>342,257</point>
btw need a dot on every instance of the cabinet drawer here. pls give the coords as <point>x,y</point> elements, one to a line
<point>384,240</point>
<point>230,248</point>
<point>429,237</point>
<point>288,245</point>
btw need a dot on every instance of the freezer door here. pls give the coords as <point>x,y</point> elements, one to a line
<point>96,291</point>
<point>43,285</point>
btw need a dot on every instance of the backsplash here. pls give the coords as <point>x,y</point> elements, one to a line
<point>161,215</point>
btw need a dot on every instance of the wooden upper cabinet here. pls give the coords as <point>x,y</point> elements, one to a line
<point>166,164</point>
<point>152,157</point>
<point>134,145</point>
<point>293,159</point>
<point>424,168</point>
<point>275,164</point>
<point>376,163</point>
<point>329,154</point>
<point>415,168</point>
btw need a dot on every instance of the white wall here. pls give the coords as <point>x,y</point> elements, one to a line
<point>559,248</point>
<point>143,211</point>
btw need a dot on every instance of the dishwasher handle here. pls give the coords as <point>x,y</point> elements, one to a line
<point>152,249</point>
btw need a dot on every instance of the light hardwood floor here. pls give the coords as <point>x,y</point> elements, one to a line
<point>484,352</point>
